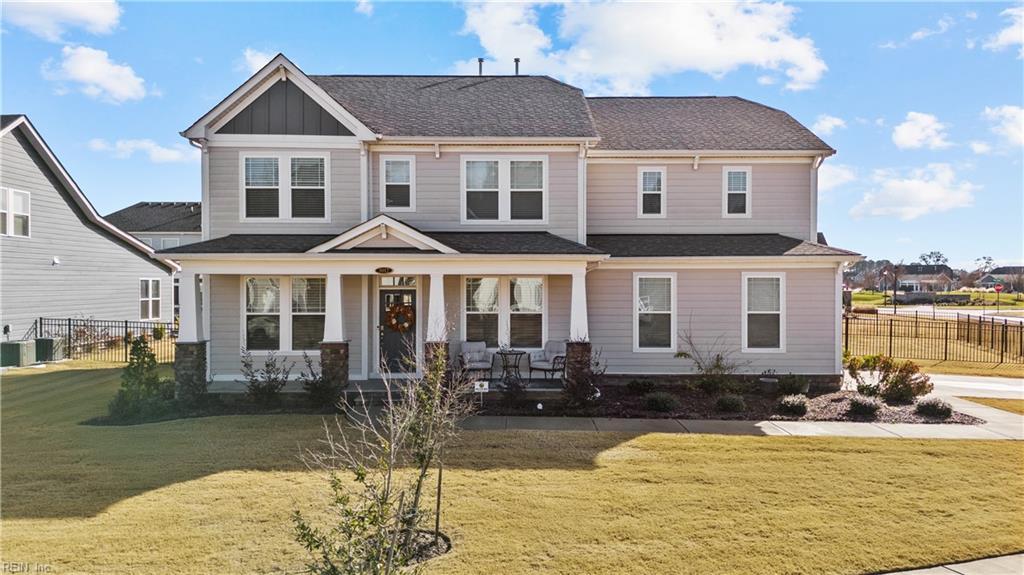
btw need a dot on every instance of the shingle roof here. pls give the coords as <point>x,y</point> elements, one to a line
<point>697,123</point>
<point>534,243</point>
<point>926,270</point>
<point>8,119</point>
<point>1008,270</point>
<point>159,217</point>
<point>463,106</point>
<point>708,245</point>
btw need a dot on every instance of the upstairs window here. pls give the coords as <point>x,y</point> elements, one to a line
<point>398,183</point>
<point>308,187</point>
<point>764,308</point>
<point>262,188</point>
<point>735,192</point>
<point>504,189</point>
<point>650,192</point>
<point>15,212</point>
<point>149,299</point>
<point>302,194</point>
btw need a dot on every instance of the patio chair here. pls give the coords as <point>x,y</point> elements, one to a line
<point>550,360</point>
<point>474,358</point>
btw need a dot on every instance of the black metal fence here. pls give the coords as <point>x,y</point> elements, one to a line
<point>106,340</point>
<point>966,338</point>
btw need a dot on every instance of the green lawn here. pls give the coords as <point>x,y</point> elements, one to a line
<point>866,298</point>
<point>214,495</point>
<point>1011,405</point>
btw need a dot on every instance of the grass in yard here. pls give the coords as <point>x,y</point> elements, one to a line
<point>1011,405</point>
<point>215,495</point>
<point>968,368</point>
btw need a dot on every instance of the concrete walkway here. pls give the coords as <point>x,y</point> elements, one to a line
<point>977,386</point>
<point>1005,565</point>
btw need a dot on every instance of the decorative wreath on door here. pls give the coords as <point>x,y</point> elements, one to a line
<point>400,317</point>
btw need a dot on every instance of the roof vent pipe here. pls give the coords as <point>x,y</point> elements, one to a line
<point>517,65</point>
<point>480,65</point>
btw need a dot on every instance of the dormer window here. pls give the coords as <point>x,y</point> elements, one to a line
<point>735,192</point>
<point>650,192</point>
<point>285,186</point>
<point>398,184</point>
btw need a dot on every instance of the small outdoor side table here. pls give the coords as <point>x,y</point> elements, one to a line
<point>510,359</point>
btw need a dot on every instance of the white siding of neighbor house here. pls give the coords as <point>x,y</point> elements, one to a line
<point>225,194</point>
<point>439,191</point>
<point>709,306</point>
<point>780,200</point>
<point>97,277</point>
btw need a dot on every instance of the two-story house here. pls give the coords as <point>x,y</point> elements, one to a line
<point>161,225</point>
<point>370,215</point>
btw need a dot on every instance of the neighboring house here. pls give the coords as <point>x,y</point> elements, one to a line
<point>60,258</point>
<point>161,225</point>
<point>510,210</point>
<point>927,278</point>
<point>1011,277</point>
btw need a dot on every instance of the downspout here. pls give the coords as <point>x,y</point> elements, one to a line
<point>813,237</point>
<point>204,207</point>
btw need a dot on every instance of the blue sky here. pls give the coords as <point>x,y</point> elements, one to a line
<point>922,101</point>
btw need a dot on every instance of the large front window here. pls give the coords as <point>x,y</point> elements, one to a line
<point>503,310</point>
<point>504,189</point>
<point>654,312</point>
<point>262,314</point>
<point>285,313</point>
<point>764,302</point>
<point>285,186</point>
<point>308,312</point>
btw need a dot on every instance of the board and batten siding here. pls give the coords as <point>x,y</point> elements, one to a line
<point>439,191</point>
<point>97,277</point>
<point>709,306</point>
<point>225,195</point>
<point>780,200</point>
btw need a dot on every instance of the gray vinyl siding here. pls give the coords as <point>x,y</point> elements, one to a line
<point>284,109</point>
<point>780,200</point>
<point>439,189</point>
<point>155,239</point>
<point>97,277</point>
<point>709,306</point>
<point>225,195</point>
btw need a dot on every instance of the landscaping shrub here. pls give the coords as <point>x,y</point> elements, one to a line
<point>795,405</point>
<point>661,401</point>
<point>791,384</point>
<point>580,386</point>
<point>640,386</point>
<point>862,406</point>
<point>713,361</point>
<point>159,332</point>
<point>934,407</point>
<point>320,392</point>
<point>143,395</point>
<point>263,384</point>
<point>730,404</point>
<point>897,381</point>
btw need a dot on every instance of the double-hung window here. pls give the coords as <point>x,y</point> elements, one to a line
<point>285,186</point>
<point>262,314</point>
<point>15,212</point>
<point>504,189</point>
<point>397,183</point>
<point>654,311</point>
<point>166,243</point>
<point>650,202</point>
<point>505,311</point>
<point>309,306</point>
<point>149,299</point>
<point>764,312</point>
<point>736,192</point>
<point>482,310</point>
<point>285,313</point>
<point>526,312</point>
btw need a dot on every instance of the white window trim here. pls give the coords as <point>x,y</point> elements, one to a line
<point>636,312</point>
<point>149,300</point>
<point>505,308</point>
<point>284,311</point>
<point>147,241</point>
<point>782,313</point>
<point>284,185</point>
<point>166,243</point>
<point>9,193</point>
<point>640,171</point>
<point>504,189</point>
<point>725,191</point>
<point>382,176</point>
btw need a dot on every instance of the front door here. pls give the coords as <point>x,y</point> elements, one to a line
<point>397,329</point>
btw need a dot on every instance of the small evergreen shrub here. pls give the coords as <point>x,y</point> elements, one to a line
<point>863,406</point>
<point>730,403</point>
<point>934,407</point>
<point>791,384</point>
<point>898,381</point>
<point>795,405</point>
<point>320,392</point>
<point>714,383</point>
<point>263,384</point>
<point>661,401</point>
<point>640,386</point>
<point>159,332</point>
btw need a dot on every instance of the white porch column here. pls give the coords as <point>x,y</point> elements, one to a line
<point>578,328</point>
<point>334,321</point>
<point>437,328</point>
<point>190,321</point>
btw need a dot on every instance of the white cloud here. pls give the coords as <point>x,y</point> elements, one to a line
<point>922,191</point>
<point>766,80</point>
<point>920,130</point>
<point>979,147</point>
<point>50,20</point>
<point>832,176</point>
<point>252,60</point>
<point>971,15</point>
<point>1008,122</point>
<point>1011,35</point>
<point>941,27</point>
<point>124,149</point>
<point>364,7</point>
<point>96,74</point>
<point>615,48</point>
<point>826,124</point>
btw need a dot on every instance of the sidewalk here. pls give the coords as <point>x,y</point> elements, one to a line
<point>1005,565</point>
<point>977,386</point>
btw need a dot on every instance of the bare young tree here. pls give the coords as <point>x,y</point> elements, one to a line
<point>933,258</point>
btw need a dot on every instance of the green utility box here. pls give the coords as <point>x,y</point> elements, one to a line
<point>17,353</point>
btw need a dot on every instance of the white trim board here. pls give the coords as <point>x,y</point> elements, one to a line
<point>402,230</point>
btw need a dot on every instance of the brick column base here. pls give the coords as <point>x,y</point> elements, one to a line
<point>334,363</point>
<point>189,370</point>
<point>577,360</point>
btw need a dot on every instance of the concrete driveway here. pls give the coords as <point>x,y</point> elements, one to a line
<point>977,386</point>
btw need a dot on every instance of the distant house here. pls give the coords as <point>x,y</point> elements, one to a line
<point>927,277</point>
<point>60,257</point>
<point>1009,276</point>
<point>161,225</point>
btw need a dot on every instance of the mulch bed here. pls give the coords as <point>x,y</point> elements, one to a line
<point>619,401</point>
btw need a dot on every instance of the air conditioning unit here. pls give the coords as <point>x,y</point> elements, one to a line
<point>49,349</point>
<point>17,353</point>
